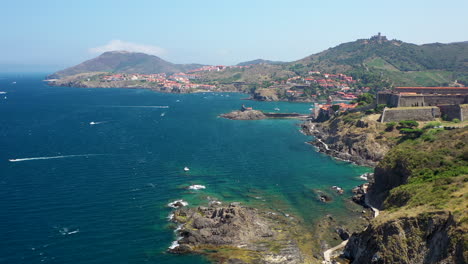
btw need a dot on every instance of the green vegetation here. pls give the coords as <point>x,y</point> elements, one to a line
<point>390,126</point>
<point>365,99</point>
<point>432,124</point>
<point>437,169</point>
<point>407,124</point>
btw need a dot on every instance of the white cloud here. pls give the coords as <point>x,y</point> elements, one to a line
<point>116,44</point>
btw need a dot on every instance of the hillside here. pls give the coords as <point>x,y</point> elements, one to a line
<point>421,186</point>
<point>396,62</point>
<point>259,61</point>
<point>125,62</point>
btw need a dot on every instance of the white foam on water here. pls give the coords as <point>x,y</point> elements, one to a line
<point>139,106</point>
<point>73,232</point>
<point>175,243</point>
<point>196,187</point>
<point>170,217</point>
<point>173,204</point>
<point>97,122</point>
<point>53,157</point>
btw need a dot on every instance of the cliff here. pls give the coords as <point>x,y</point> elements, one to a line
<point>353,137</point>
<point>421,187</point>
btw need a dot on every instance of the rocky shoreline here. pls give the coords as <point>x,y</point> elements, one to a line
<point>359,147</point>
<point>236,234</point>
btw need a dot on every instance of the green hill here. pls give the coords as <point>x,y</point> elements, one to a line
<point>378,60</point>
<point>259,61</point>
<point>125,62</point>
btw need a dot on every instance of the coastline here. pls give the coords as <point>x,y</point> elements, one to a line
<point>160,91</point>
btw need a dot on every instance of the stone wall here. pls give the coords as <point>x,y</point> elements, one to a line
<point>410,113</point>
<point>433,90</point>
<point>412,100</point>
<point>431,100</point>
<point>464,112</point>
<point>450,111</point>
<point>388,98</point>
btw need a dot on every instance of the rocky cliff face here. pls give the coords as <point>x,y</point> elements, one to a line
<point>421,185</point>
<point>355,140</point>
<point>426,238</point>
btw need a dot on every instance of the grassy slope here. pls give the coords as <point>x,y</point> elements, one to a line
<point>437,168</point>
<point>404,64</point>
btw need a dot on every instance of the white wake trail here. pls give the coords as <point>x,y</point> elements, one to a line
<point>53,157</point>
<point>142,106</point>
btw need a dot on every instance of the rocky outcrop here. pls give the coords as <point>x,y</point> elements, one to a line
<point>248,235</point>
<point>266,95</point>
<point>426,238</point>
<point>245,115</point>
<point>357,141</point>
<point>421,186</point>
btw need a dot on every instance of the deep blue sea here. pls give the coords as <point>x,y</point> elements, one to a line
<point>103,198</point>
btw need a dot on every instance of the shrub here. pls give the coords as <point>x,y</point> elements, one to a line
<point>411,133</point>
<point>335,107</point>
<point>390,126</point>
<point>380,107</point>
<point>432,124</point>
<point>408,124</point>
<point>456,120</point>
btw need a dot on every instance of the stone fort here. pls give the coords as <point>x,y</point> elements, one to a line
<point>424,103</point>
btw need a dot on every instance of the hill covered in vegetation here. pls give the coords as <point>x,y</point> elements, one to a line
<point>379,61</point>
<point>125,62</point>
<point>421,186</point>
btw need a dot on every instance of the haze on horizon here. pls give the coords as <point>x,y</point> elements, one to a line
<point>60,34</point>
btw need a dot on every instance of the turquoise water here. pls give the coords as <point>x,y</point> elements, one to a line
<point>110,206</point>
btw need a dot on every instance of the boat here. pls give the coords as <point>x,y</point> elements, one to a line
<point>277,109</point>
<point>163,114</point>
<point>186,169</point>
<point>92,123</point>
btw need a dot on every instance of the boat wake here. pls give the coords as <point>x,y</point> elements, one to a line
<point>53,157</point>
<point>141,106</point>
<point>97,122</point>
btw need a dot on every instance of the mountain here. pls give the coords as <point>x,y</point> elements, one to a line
<point>381,53</point>
<point>375,61</point>
<point>260,61</point>
<point>125,62</point>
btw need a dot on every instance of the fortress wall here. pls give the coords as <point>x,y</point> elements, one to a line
<point>415,113</point>
<point>390,99</point>
<point>411,101</point>
<point>455,99</point>
<point>433,90</point>
<point>464,112</point>
<point>450,111</point>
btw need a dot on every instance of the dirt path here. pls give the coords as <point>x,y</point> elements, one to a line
<point>328,253</point>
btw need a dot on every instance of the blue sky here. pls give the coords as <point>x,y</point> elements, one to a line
<point>63,33</point>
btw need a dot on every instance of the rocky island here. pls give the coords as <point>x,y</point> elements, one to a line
<point>245,115</point>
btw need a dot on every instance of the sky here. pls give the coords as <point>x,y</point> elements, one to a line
<point>52,34</point>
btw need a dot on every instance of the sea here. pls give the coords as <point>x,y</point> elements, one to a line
<point>86,175</point>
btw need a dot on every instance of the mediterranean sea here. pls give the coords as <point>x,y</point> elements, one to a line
<point>86,174</point>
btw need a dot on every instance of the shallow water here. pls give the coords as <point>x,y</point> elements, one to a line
<point>107,202</point>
